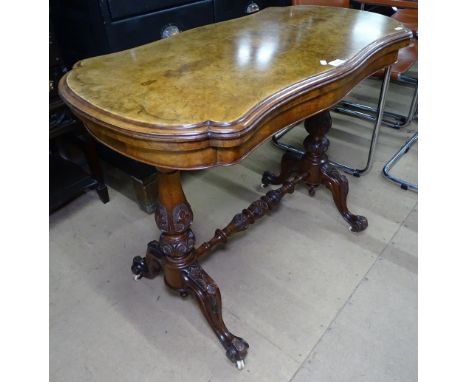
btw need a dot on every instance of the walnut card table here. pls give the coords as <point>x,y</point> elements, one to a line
<point>208,97</point>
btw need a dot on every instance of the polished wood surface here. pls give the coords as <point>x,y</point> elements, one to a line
<point>210,95</point>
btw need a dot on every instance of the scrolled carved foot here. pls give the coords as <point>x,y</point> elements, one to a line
<point>312,190</point>
<point>237,351</point>
<point>139,267</point>
<point>338,185</point>
<point>357,223</point>
<point>149,266</point>
<point>268,178</point>
<point>209,299</point>
<point>289,165</point>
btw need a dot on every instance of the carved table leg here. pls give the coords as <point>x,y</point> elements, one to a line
<point>209,299</point>
<point>149,266</point>
<point>175,255</point>
<point>321,171</point>
<point>289,166</point>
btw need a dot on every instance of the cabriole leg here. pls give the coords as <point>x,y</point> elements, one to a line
<point>209,298</point>
<point>174,254</point>
<point>321,171</point>
<point>314,162</point>
<point>289,166</point>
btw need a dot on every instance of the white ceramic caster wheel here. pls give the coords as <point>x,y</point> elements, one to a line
<point>240,364</point>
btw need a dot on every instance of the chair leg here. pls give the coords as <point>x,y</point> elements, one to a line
<point>403,150</point>
<point>369,113</point>
<point>375,133</point>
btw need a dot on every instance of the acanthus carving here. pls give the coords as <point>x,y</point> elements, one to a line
<point>316,147</point>
<point>331,171</point>
<point>197,275</point>
<point>161,218</point>
<point>182,217</point>
<point>177,246</point>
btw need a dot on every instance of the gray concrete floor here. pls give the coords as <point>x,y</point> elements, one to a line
<point>315,301</point>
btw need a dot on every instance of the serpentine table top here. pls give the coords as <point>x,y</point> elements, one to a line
<point>209,95</point>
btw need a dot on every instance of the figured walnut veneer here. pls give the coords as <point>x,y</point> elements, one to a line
<point>209,95</point>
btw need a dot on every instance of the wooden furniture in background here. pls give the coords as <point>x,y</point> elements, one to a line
<point>67,179</point>
<point>88,28</point>
<point>208,97</point>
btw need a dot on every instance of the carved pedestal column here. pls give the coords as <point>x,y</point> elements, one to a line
<point>175,255</point>
<point>320,170</point>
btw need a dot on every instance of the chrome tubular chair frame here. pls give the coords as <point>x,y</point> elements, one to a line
<point>369,113</point>
<point>375,133</point>
<point>403,150</point>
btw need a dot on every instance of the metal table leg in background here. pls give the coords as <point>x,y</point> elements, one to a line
<point>375,133</point>
<point>386,170</point>
<point>369,113</point>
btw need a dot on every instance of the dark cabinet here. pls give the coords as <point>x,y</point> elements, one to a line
<point>67,178</point>
<point>87,28</point>
<point>228,9</point>
<point>153,26</point>
<point>120,9</point>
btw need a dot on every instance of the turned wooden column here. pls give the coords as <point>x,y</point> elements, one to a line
<point>173,217</point>
<point>320,171</point>
<point>174,254</point>
<point>316,145</point>
<point>174,250</point>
